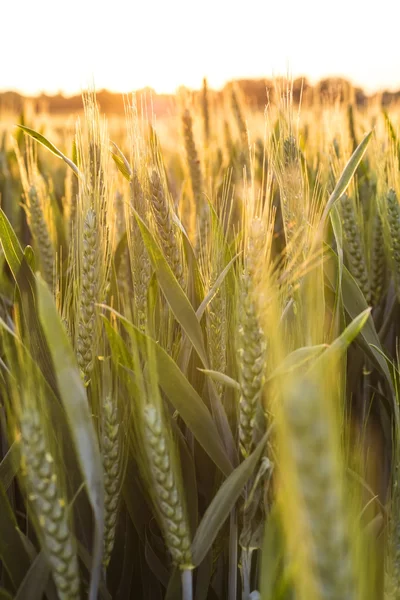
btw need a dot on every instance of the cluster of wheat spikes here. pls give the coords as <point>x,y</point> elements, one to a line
<point>199,353</point>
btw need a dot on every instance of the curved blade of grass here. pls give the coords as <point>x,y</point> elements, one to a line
<point>35,581</point>
<point>215,288</point>
<point>119,350</point>
<point>186,350</point>
<point>298,358</point>
<point>222,378</point>
<point>13,554</point>
<point>4,595</point>
<point>338,233</point>
<point>10,465</point>
<point>392,134</point>
<point>343,341</point>
<point>87,561</point>
<point>117,153</point>
<point>121,166</point>
<point>174,589</point>
<point>223,502</point>
<point>155,564</point>
<point>175,296</point>
<point>346,177</point>
<point>188,403</point>
<point>183,397</point>
<point>73,396</point>
<point>45,142</point>
<point>203,578</point>
<point>11,247</point>
<point>26,298</point>
<point>354,303</point>
<point>195,281</point>
<point>30,256</point>
<point>272,557</point>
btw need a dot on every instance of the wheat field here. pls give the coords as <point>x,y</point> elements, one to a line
<point>199,322</point>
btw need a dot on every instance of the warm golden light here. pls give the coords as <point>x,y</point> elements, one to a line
<point>126,44</point>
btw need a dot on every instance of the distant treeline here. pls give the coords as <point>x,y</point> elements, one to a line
<point>255,93</point>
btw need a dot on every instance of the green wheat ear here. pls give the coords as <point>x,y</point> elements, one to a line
<point>165,490</point>
<point>321,491</point>
<point>393,217</point>
<point>354,247</point>
<point>377,260</point>
<point>49,506</point>
<point>40,233</point>
<point>166,228</point>
<point>111,454</point>
<point>139,258</point>
<point>90,269</point>
<point>251,340</point>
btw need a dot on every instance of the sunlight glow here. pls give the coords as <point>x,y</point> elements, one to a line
<point>126,44</point>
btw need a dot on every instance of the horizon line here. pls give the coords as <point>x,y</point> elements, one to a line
<point>369,90</point>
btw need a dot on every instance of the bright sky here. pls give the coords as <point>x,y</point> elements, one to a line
<point>49,45</point>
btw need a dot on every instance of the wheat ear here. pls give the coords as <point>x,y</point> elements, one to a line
<point>251,340</point>
<point>193,160</point>
<point>140,262</point>
<point>90,268</point>
<point>354,247</point>
<point>393,216</point>
<point>217,328</point>
<point>110,445</point>
<point>206,113</point>
<point>166,492</point>
<point>321,491</point>
<point>377,261</point>
<point>40,233</point>
<point>49,507</point>
<point>166,228</point>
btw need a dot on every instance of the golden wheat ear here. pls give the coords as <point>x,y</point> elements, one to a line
<point>90,268</point>
<point>40,233</point>
<point>166,228</point>
<point>393,217</point>
<point>251,339</point>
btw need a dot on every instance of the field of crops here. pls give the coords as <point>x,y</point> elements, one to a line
<point>199,353</point>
